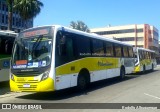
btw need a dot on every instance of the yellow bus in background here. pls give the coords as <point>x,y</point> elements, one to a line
<point>145,59</point>
<point>51,58</point>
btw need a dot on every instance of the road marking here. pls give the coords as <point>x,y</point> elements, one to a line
<point>151,96</point>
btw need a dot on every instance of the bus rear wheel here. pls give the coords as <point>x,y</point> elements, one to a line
<point>122,73</point>
<point>81,83</point>
<point>144,69</point>
<point>152,68</point>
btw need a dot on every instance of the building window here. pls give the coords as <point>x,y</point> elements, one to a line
<point>6,19</point>
<point>139,38</point>
<point>0,5</point>
<point>139,30</point>
<point>155,33</point>
<point>118,31</point>
<point>13,21</point>
<point>17,22</point>
<point>2,18</point>
<point>3,7</point>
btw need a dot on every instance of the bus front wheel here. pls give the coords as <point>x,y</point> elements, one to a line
<point>144,69</point>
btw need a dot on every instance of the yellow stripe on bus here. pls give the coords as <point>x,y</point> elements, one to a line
<point>91,63</point>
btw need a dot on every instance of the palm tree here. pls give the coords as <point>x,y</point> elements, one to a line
<point>10,12</point>
<point>27,9</point>
<point>79,25</point>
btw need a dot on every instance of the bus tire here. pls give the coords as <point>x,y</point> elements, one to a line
<point>83,80</point>
<point>144,69</point>
<point>122,73</point>
<point>152,68</point>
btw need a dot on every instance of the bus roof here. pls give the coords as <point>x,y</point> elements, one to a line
<point>8,33</point>
<point>81,33</point>
<point>143,49</point>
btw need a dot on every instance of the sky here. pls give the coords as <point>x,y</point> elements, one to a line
<point>99,13</point>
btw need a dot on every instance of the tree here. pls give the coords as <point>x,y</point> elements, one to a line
<point>10,12</point>
<point>27,9</point>
<point>79,25</point>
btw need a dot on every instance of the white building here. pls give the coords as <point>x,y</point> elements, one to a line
<point>140,35</point>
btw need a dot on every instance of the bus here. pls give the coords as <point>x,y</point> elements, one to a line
<point>6,44</point>
<point>50,58</point>
<point>145,59</point>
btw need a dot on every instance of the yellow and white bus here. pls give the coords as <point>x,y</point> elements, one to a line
<point>145,59</point>
<point>6,44</point>
<point>50,58</point>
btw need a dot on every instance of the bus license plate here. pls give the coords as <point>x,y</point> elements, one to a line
<point>26,85</point>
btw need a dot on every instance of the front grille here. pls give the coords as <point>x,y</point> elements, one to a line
<point>26,80</point>
<point>31,86</point>
<point>27,89</point>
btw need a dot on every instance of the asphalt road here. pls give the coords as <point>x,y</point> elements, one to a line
<point>144,88</point>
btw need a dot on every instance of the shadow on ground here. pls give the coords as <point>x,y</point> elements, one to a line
<point>71,92</point>
<point>4,87</point>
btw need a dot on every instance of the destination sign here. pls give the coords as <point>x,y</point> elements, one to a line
<point>35,33</point>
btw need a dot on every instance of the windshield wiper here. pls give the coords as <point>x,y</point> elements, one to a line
<point>35,45</point>
<point>37,42</point>
<point>20,43</point>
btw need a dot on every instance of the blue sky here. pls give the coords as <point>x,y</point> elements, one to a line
<point>100,13</point>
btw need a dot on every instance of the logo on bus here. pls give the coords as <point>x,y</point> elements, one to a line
<point>104,63</point>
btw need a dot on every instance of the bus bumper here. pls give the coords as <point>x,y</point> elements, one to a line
<point>137,69</point>
<point>42,86</point>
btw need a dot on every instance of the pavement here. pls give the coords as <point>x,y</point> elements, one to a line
<point>142,88</point>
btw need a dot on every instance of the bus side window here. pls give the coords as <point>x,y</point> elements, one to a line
<point>125,51</point>
<point>140,55</point>
<point>8,46</point>
<point>109,49</point>
<point>118,50</point>
<point>130,50</point>
<point>97,47</point>
<point>62,45</point>
<point>64,48</point>
<point>69,48</point>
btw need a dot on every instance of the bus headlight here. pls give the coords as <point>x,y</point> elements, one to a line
<point>12,77</point>
<point>45,75</point>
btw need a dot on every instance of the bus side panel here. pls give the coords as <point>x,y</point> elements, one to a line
<point>99,68</point>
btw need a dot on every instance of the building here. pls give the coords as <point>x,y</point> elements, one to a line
<point>140,35</point>
<point>17,23</point>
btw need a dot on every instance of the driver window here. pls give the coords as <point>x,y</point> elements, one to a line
<point>64,48</point>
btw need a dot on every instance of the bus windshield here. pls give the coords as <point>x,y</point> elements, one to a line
<point>32,52</point>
